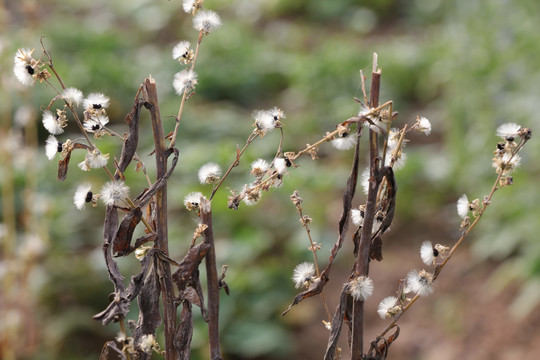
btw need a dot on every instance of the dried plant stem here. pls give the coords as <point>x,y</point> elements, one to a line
<point>50,64</point>
<point>184,95</point>
<point>178,117</point>
<point>169,308</point>
<point>362,259</point>
<point>313,249</point>
<point>213,282</point>
<point>328,137</point>
<point>235,163</point>
<point>199,40</point>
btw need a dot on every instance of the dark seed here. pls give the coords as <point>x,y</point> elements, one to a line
<point>96,106</point>
<point>288,162</point>
<point>88,197</point>
<point>95,127</point>
<point>435,252</point>
<point>59,147</point>
<point>30,69</point>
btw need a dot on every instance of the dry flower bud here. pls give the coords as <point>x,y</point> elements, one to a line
<point>296,199</point>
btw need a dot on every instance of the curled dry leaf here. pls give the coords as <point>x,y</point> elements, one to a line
<point>122,240</point>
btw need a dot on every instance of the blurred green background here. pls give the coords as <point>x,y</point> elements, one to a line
<point>467,65</point>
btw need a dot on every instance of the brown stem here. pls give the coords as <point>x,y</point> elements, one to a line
<point>212,279</point>
<point>362,257</point>
<point>184,96</point>
<point>169,308</point>
<point>236,162</point>
<point>50,64</point>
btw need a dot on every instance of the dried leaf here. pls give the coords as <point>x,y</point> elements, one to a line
<point>119,306</point>
<point>148,301</point>
<point>63,167</point>
<point>184,333</point>
<point>190,294</point>
<point>375,249</point>
<point>144,239</point>
<point>337,323</point>
<point>147,194</point>
<point>110,351</point>
<point>380,351</point>
<point>132,140</point>
<point>189,264</point>
<point>315,289</point>
<point>122,240</point>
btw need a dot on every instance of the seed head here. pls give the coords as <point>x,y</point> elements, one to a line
<point>303,274</point>
<point>360,288</point>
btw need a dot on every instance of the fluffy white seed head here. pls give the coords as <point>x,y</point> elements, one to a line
<point>209,173</point>
<point>184,80</point>
<point>463,206</point>
<point>280,164</point>
<point>388,307</point>
<point>357,217</point>
<point>364,180</point>
<point>96,101</point>
<point>82,196</point>
<point>148,342</point>
<point>51,123</point>
<point>51,147</point>
<point>181,49</point>
<point>508,130</point>
<point>24,67</point>
<point>72,96</point>
<point>424,125</point>
<point>264,121</point>
<point>259,167</point>
<point>303,274</point>
<point>96,123</point>
<point>427,253</point>
<point>206,21</point>
<point>114,193</point>
<point>344,142</point>
<point>420,283</point>
<point>192,201</point>
<point>360,288</point>
<point>276,113</point>
<point>94,159</point>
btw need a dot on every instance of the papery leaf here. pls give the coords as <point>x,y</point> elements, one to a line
<point>110,351</point>
<point>144,239</point>
<point>184,333</point>
<point>63,167</point>
<point>315,289</point>
<point>148,300</point>
<point>337,323</point>
<point>375,249</point>
<point>122,240</point>
<point>147,194</point>
<point>189,264</point>
<point>123,297</point>
<point>130,143</point>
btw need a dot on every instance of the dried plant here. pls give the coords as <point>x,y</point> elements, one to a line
<point>154,286</point>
